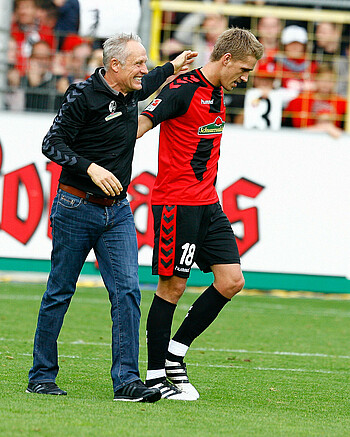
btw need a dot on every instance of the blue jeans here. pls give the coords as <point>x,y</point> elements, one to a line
<point>77,227</point>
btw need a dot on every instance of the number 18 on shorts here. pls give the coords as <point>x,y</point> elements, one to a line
<point>187,234</point>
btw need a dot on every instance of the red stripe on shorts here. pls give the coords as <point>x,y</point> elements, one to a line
<point>167,237</point>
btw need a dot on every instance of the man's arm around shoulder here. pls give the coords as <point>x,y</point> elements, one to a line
<point>154,79</point>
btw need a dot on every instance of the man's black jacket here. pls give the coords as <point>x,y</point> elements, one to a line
<point>96,124</point>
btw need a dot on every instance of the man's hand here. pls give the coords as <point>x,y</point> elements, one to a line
<point>182,61</point>
<point>104,179</point>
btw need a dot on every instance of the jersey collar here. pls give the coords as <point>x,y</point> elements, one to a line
<point>201,75</point>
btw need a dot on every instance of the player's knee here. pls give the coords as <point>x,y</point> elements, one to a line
<point>171,290</point>
<point>237,285</point>
<point>177,291</point>
<point>172,295</point>
<point>231,285</point>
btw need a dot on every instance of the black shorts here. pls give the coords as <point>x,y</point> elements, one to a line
<point>187,234</point>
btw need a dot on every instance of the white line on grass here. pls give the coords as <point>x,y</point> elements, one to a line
<point>297,354</point>
<point>216,366</point>
<point>275,369</point>
<point>205,349</point>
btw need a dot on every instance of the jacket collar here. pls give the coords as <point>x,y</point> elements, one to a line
<point>100,83</point>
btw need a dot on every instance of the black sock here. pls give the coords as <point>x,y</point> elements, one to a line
<point>159,320</point>
<point>202,313</point>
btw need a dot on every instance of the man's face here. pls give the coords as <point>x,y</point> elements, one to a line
<point>213,26</point>
<point>325,33</point>
<point>234,72</point>
<point>130,74</point>
<point>41,54</point>
<point>26,11</point>
<point>269,28</point>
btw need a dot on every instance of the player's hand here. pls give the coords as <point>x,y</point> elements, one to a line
<point>104,179</point>
<point>181,63</point>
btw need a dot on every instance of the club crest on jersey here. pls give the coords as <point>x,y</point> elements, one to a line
<point>212,128</point>
<point>152,106</point>
<point>112,106</point>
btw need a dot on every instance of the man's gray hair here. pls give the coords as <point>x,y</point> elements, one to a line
<point>116,47</point>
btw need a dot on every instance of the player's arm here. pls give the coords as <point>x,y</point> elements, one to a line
<point>145,124</point>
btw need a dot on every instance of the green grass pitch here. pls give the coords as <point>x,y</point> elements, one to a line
<point>267,367</point>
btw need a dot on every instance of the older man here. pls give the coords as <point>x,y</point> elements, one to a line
<point>93,138</point>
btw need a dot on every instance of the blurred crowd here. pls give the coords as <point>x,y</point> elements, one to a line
<point>302,80</point>
<point>54,43</point>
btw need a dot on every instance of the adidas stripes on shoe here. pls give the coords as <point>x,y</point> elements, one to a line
<point>137,392</point>
<point>168,391</point>
<point>177,374</point>
<point>45,388</point>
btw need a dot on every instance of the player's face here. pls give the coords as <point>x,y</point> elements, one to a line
<point>234,72</point>
<point>131,73</point>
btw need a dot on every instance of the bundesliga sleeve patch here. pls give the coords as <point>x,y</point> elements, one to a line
<point>152,106</point>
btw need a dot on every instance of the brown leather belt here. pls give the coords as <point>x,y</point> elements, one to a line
<point>104,201</point>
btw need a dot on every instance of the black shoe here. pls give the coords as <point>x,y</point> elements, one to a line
<point>45,388</point>
<point>137,392</point>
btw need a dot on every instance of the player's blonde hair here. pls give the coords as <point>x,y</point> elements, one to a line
<point>239,42</point>
<point>116,47</point>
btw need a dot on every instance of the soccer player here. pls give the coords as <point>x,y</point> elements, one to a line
<point>189,223</point>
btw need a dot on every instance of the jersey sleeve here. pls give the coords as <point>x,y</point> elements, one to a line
<point>58,142</point>
<point>173,101</point>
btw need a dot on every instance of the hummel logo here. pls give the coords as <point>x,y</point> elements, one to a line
<point>207,102</point>
<point>181,269</point>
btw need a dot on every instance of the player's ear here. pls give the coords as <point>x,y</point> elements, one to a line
<point>226,58</point>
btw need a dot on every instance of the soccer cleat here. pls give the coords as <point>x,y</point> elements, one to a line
<point>177,375</point>
<point>45,388</point>
<point>169,391</point>
<point>137,392</point>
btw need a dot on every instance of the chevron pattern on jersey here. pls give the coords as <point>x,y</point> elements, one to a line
<point>167,241</point>
<point>51,151</point>
<point>183,80</point>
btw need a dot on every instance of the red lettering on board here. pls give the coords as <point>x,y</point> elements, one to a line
<point>140,190</point>
<point>22,229</point>
<point>248,217</point>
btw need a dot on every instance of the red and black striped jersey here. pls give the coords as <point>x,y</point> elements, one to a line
<point>192,116</point>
